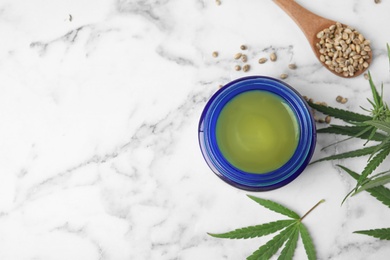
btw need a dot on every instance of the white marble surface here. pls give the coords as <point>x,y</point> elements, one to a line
<point>99,106</point>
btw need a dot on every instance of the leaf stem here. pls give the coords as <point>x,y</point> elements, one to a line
<point>310,210</point>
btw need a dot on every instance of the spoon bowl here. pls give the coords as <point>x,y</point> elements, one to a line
<point>311,24</point>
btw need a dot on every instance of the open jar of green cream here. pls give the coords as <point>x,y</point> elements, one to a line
<point>257,133</point>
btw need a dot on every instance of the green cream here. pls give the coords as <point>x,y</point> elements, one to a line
<point>257,131</point>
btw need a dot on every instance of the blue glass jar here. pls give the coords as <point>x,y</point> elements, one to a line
<point>252,181</point>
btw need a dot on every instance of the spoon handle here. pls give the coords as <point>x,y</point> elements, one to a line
<point>306,20</point>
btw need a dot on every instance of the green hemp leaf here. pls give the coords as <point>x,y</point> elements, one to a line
<point>375,127</point>
<point>289,232</point>
<point>383,233</point>
<point>379,192</point>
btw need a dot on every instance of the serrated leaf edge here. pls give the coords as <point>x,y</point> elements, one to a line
<point>381,193</point>
<point>373,164</point>
<point>342,114</point>
<point>255,231</point>
<point>307,242</point>
<point>272,246</point>
<point>290,246</point>
<point>381,233</point>
<point>274,206</point>
<point>350,154</point>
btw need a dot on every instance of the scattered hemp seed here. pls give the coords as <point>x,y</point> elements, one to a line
<point>366,75</point>
<point>283,76</point>
<point>341,99</point>
<point>377,1</point>
<point>237,67</point>
<point>220,86</point>
<point>237,56</point>
<point>243,47</point>
<point>246,68</point>
<point>273,56</point>
<point>321,103</point>
<point>244,58</point>
<point>218,2</point>
<point>263,60</point>
<point>343,49</point>
<point>292,66</point>
<point>327,119</point>
<point>215,54</point>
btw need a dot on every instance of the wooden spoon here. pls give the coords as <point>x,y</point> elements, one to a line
<point>311,24</point>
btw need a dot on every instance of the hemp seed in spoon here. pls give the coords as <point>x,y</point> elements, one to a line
<point>344,50</point>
